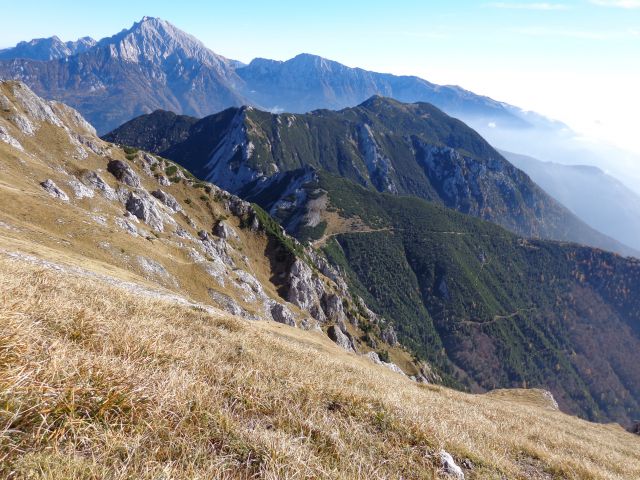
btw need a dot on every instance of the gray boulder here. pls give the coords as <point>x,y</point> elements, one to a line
<point>92,179</point>
<point>142,206</point>
<point>255,223</point>
<point>162,180</point>
<point>282,314</point>
<point>52,189</point>
<point>167,200</point>
<point>449,466</point>
<point>389,336</point>
<point>225,231</point>
<point>340,338</point>
<point>375,358</point>
<point>310,324</point>
<point>123,173</point>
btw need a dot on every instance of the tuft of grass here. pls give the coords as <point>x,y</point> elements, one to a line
<point>130,150</point>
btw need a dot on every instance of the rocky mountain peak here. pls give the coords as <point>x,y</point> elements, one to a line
<point>156,40</point>
<point>315,62</point>
<point>378,101</point>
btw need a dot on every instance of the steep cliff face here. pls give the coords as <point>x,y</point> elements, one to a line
<point>385,145</point>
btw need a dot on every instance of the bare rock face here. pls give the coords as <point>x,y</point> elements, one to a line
<point>23,124</point>
<point>340,338</point>
<point>80,190</point>
<point>282,314</point>
<point>162,180</point>
<point>123,173</point>
<point>250,286</point>
<point>153,269</point>
<point>389,336</point>
<point>167,200</point>
<point>127,226</point>
<point>92,179</point>
<point>216,248</point>
<point>366,312</point>
<point>6,137</point>
<point>52,189</point>
<point>305,289</point>
<point>33,106</point>
<point>225,231</point>
<point>142,206</point>
<point>238,207</point>
<point>375,358</point>
<point>228,304</point>
<point>332,307</point>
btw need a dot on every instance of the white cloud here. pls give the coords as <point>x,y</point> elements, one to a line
<point>529,6</point>
<point>617,3</point>
<point>579,34</point>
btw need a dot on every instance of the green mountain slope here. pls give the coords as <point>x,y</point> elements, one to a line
<point>490,308</point>
<point>382,144</point>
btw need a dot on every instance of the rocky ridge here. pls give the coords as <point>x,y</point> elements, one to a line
<point>384,145</point>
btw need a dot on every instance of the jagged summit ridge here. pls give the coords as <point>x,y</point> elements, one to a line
<point>156,40</point>
<point>51,48</point>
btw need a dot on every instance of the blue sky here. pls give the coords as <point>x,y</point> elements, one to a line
<point>578,60</point>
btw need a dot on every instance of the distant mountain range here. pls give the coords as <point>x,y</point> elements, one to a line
<point>385,145</point>
<point>47,49</point>
<point>153,65</point>
<point>594,196</point>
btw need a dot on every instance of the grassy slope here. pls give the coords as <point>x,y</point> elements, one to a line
<point>97,382</point>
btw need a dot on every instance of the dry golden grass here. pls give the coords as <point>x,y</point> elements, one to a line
<point>98,383</point>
